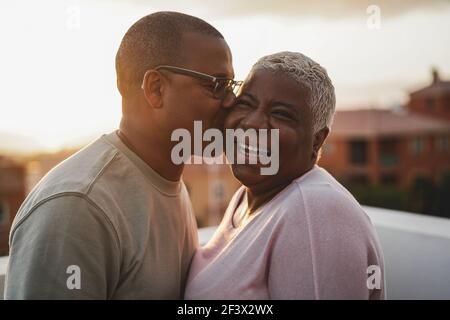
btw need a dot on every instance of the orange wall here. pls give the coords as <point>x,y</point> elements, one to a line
<point>431,162</point>
<point>440,108</point>
<point>12,191</point>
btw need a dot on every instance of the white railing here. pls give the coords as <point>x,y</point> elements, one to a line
<point>416,250</point>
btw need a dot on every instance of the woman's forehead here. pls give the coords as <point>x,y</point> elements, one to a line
<point>265,84</point>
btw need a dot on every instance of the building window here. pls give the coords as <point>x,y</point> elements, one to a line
<point>388,152</point>
<point>358,152</point>
<point>389,179</point>
<point>4,213</point>
<point>358,179</point>
<point>442,143</point>
<point>429,103</point>
<point>417,146</point>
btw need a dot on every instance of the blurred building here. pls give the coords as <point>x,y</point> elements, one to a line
<point>386,147</point>
<point>433,100</point>
<point>393,146</point>
<point>210,188</point>
<point>12,193</point>
<point>38,165</point>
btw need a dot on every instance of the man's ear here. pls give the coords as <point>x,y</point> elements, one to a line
<point>319,138</point>
<point>152,87</point>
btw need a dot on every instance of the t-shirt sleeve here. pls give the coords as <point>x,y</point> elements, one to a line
<point>66,248</point>
<point>290,271</point>
<point>325,252</point>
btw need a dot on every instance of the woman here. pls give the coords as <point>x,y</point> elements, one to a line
<point>298,234</point>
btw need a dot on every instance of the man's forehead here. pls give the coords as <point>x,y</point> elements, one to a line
<point>206,53</point>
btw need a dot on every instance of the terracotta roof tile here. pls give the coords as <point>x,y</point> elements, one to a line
<point>379,122</point>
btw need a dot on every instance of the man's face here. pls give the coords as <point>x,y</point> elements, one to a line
<point>188,98</point>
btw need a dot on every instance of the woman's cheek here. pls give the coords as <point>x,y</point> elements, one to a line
<point>233,119</point>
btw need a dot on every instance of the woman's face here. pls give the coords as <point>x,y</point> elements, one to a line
<point>274,101</point>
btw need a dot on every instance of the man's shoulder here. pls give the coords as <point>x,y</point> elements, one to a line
<point>64,192</point>
<point>74,176</point>
<point>59,210</point>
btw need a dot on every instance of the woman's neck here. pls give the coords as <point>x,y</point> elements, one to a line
<point>257,198</point>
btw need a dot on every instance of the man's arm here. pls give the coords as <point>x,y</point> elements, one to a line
<point>65,249</point>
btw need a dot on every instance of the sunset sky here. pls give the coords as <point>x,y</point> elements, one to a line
<point>57,78</point>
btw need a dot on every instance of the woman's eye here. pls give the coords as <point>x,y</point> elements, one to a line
<point>242,104</point>
<point>282,114</point>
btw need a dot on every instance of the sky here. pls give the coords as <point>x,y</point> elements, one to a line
<point>57,77</point>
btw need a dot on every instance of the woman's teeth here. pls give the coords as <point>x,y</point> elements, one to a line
<point>251,150</point>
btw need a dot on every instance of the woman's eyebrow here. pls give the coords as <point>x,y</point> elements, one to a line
<point>285,104</point>
<point>249,95</point>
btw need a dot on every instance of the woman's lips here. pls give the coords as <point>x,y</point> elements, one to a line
<point>250,152</point>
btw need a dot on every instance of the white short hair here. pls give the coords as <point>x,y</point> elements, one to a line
<point>310,75</point>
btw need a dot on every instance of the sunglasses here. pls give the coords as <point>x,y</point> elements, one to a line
<point>222,86</point>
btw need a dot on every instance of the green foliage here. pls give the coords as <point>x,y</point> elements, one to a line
<point>423,196</point>
<point>443,196</point>
<point>380,196</point>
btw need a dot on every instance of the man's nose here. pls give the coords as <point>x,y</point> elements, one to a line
<point>229,100</point>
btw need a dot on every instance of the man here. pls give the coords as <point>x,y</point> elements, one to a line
<point>114,221</point>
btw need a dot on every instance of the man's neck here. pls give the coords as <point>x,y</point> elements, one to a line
<point>153,150</point>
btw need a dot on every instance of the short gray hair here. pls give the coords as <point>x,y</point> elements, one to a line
<point>310,75</point>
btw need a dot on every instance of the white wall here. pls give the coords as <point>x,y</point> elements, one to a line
<point>416,252</point>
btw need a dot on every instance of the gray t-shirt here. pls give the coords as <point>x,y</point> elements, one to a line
<point>102,225</point>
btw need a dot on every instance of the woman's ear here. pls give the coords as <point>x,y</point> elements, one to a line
<point>319,139</point>
<point>152,87</point>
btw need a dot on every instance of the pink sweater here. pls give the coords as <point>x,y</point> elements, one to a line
<point>311,241</point>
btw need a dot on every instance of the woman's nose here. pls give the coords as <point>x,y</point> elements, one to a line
<point>255,119</point>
